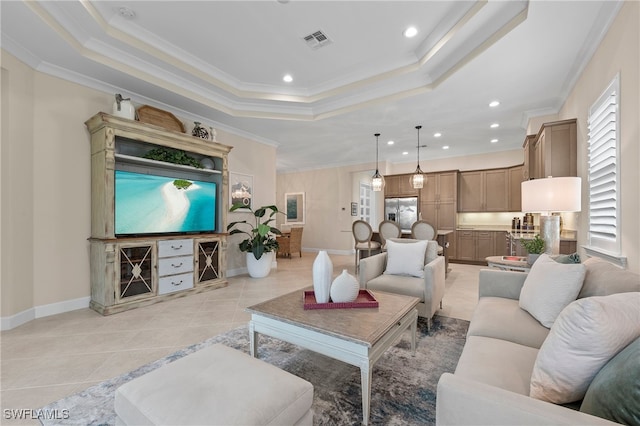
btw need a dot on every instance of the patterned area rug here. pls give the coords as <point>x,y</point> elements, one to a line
<point>403,386</point>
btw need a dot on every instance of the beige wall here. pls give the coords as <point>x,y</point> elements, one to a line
<point>45,183</point>
<point>618,52</point>
<point>258,160</point>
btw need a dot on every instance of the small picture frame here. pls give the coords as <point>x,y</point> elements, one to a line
<point>240,190</point>
<point>354,209</point>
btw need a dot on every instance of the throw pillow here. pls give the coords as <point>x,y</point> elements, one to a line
<point>406,258</point>
<point>549,287</point>
<point>586,335</point>
<point>614,393</point>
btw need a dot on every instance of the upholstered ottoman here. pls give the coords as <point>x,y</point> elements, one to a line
<point>215,386</point>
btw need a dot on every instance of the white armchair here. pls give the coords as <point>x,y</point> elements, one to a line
<point>429,288</point>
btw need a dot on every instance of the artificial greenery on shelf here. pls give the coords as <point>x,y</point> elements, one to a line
<point>533,246</point>
<point>174,156</point>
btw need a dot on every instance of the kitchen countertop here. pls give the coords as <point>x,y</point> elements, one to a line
<point>567,235</point>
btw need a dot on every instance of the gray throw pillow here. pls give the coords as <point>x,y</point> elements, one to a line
<point>614,393</point>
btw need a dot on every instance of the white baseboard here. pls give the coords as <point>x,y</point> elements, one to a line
<point>336,252</point>
<point>7,323</point>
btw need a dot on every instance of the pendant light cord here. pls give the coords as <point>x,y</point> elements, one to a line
<point>377,135</point>
<point>418,128</point>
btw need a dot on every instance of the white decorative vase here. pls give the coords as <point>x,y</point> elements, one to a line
<point>345,288</point>
<point>322,272</point>
<point>123,108</point>
<point>259,268</point>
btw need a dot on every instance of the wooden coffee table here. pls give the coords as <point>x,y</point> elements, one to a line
<point>357,336</point>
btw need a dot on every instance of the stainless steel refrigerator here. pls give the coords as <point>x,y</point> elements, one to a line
<point>402,210</point>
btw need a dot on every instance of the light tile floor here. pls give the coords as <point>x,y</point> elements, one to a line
<point>52,357</point>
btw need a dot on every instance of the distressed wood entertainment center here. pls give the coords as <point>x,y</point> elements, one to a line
<point>129,271</point>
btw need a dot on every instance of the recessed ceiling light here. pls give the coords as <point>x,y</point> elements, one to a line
<point>405,153</point>
<point>445,147</point>
<point>494,104</point>
<point>437,135</point>
<point>287,78</point>
<point>390,142</point>
<point>494,140</point>
<point>410,32</point>
<point>495,125</point>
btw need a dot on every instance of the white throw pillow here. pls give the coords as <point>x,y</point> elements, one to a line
<point>549,287</point>
<point>406,258</point>
<point>586,335</point>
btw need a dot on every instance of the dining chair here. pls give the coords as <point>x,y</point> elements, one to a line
<point>295,240</point>
<point>362,234</point>
<point>388,229</point>
<point>290,242</point>
<point>422,230</point>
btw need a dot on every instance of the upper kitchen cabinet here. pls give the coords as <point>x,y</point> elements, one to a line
<point>483,191</point>
<point>516,177</point>
<point>554,150</point>
<point>527,146</point>
<point>438,199</point>
<point>399,186</point>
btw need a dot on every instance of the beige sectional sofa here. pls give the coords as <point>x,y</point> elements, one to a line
<point>491,384</point>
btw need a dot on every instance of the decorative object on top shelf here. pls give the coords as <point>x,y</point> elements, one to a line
<point>199,131</point>
<point>535,247</point>
<point>207,163</point>
<point>174,156</point>
<point>240,190</point>
<point>213,134</point>
<point>377,180</point>
<point>123,107</point>
<point>322,273</point>
<point>345,288</point>
<point>260,244</point>
<point>417,178</point>
<point>560,194</point>
<point>151,115</point>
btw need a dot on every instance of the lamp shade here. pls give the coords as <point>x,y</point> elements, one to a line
<point>559,194</point>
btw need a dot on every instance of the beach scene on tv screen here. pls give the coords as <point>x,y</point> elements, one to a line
<point>158,204</point>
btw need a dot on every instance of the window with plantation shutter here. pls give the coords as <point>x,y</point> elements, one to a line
<point>603,165</point>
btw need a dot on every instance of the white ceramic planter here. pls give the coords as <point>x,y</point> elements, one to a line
<point>259,268</point>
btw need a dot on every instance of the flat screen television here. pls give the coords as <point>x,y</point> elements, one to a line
<point>149,203</point>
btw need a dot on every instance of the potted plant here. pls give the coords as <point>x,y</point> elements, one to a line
<point>260,243</point>
<point>535,247</point>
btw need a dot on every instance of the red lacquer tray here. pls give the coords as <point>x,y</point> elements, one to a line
<point>364,300</point>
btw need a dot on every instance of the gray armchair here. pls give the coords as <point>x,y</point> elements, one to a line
<point>429,289</point>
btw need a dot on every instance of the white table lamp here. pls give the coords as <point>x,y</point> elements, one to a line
<point>544,196</point>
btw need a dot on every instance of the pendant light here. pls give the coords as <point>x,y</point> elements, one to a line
<point>417,179</point>
<point>377,180</point>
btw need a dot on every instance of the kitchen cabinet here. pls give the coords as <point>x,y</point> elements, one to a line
<point>438,200</point>
<point>516,177</point>
<point>483,191</point>
<point>399,186</point>
<point>475,246</point>
<point>527,146</point>
<point>555,150</point>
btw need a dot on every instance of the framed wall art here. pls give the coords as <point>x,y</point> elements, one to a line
<point>240,190</point>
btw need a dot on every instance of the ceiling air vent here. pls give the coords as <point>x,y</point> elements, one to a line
<point>317,40</point>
